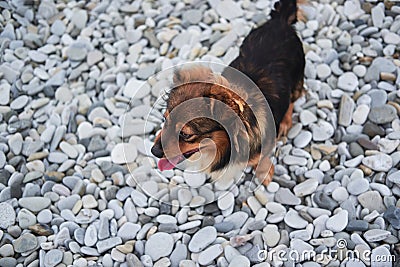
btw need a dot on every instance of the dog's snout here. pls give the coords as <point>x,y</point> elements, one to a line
<point>157,150</point>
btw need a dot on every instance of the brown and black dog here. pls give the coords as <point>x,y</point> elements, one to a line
<point>272,57</point>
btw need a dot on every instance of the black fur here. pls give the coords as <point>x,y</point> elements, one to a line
<point>272,56</point>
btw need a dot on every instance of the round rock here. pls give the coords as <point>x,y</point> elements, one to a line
<point>348,81</point>
<point>202,239</point>
<point>53,257</point>
<point>159,245</point>
<point>7,215</point>
<point>338,222</point>
<point>302,139</point>
<point>124,153</point>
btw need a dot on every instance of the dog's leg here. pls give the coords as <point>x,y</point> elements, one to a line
<point>264,170</point>
<point>286,123</point>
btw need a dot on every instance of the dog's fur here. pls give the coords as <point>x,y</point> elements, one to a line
<point>272,57</point>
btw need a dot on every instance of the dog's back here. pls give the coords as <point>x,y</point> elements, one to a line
<point>272,56</point>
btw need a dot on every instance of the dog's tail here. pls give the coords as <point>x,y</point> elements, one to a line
<point>287,11</point>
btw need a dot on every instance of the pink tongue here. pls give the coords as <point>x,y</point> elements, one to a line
<point>165,164</point>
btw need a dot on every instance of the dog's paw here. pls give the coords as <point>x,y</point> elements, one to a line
<point>266,178</point>
<point>286,123</point>
<point>265,171</point>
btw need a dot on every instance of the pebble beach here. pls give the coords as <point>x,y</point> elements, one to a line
<point>79,113</point>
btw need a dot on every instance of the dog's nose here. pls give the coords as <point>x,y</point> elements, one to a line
<point>157,150</point>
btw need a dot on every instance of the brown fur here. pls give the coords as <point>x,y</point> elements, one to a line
<point>272,57</point>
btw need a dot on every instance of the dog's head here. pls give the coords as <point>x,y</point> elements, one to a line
<point>206,122</point>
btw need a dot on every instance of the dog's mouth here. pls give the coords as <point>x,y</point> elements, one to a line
<point>168,164</point>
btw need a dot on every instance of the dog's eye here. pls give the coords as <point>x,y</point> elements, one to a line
<point>185,136</point>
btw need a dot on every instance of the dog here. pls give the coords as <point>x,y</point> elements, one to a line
<point>272,57</point>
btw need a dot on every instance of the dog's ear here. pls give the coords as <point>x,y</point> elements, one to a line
<point>192,74</point>
<point>227,108</point>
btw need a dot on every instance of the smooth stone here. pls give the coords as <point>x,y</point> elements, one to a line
<point>44,216</point>
<point>159,245</point>
<point>324,201</point>
<point>107,244</point>
<point>322,130</point>
<point>90,238</point>
<point>295,130</point>
<point>346,110</point>
<point>133,261</point>
<point>300,246</point>
<point>5,90</point>
<point>360,70</point>
<point>272,235</point>
<point>94,57</point>
<point>357,225</point>
<point>53,257</point>
<point>381,188</point>
<point>391,38</point>
<point>25,242</point>
<point>388,146</point>
<point>360,115</point>
<point>340,194</point>
<point>239,260</point>
<point>34,204</point>
<point>229,9</point>
<point>382,114</point>
<point>378,97</point>
<point>348,81</point>
<point>202,239</point>
<point>192,16</point>
<point>77,51</point>
<point>378,15</point>
<point>89,202</point>
<point>392,215</point>
<point>57,157</point>
<point>379,162</point>
<point>194,179</point>
<point>184,196</point>
<point>294,160</point>
<point>323,71</point>
<point>37,56</point>
<point>7,250</point>
<point>338,222</point>
<point>353,10</point>
<point>286,197</point>
<point>26,218</point>
<point>136,89</point>
<point>302,139</point>
<point>307,117</point>
<point>19,103</point>
<point>357,186</point>
<point>305,188</point>
<point>79,18</point>
<point>375,235</point>
<point>314,173</point>
<point>208,255</point>
<point>124,153</point>
<point>58,28</point>
<point>372,200</point>
<point>224,227</point>
<point>379,254</point>
<point>293,219</point>
<point>238,219</point>
<point>128,231</point>
<point>7,215</point>
<point>226,200</point>
<point>394,177</point>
